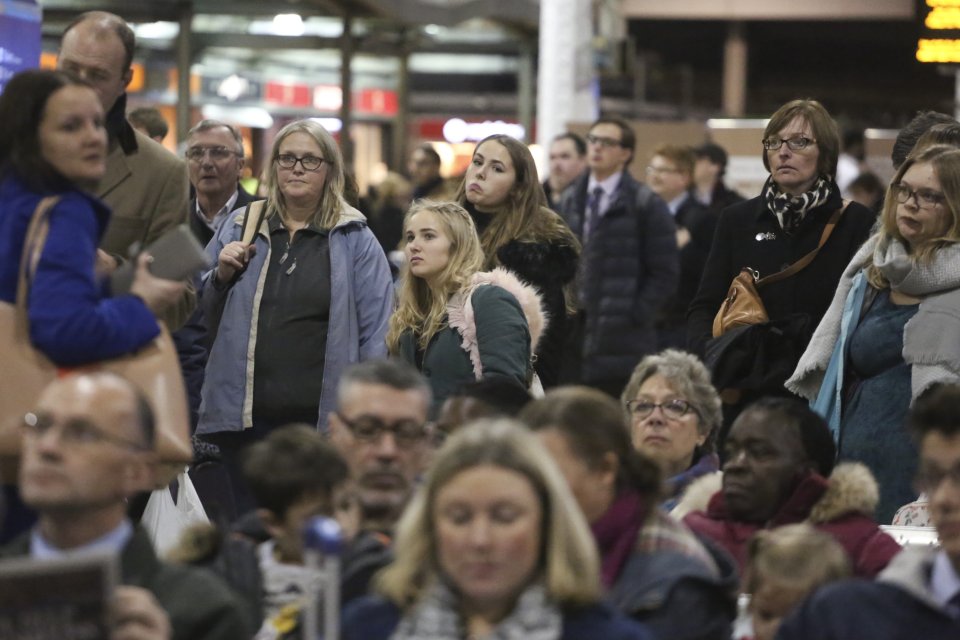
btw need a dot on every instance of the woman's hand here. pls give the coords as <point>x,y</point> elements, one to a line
<point>233,259</point>
<point>105,264</point>
<point>156,293</point>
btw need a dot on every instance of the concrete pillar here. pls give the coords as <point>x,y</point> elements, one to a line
<point>346,86</point>
<point>184,62</point>
<point>735,71</point>
<point>526,88</point>
<point>398,151</point>
<point>567,88</point>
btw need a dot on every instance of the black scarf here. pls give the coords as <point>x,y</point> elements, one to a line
<point>790,209</point>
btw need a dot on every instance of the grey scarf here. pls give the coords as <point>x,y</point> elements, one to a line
<point>931,339</point>
<point>436,617</point>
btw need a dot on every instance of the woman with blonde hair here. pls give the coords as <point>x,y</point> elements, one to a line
<point>502,192</point>
<point>454,322</point>
<point>494,546</point>
<point>892,329</point>
<point>310,295</point>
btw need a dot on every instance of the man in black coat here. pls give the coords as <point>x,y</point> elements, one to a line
<point>629,265</point>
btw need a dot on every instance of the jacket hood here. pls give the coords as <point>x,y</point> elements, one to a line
<point>851,488</point>
<point>460,310</point>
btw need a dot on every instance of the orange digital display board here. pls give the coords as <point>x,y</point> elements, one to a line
<point>939,40</point>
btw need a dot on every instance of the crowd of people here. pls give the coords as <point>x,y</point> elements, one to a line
<point>538,418</point>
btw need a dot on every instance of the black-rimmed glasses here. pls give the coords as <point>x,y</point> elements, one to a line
<point>798,143</point>
<point>372,429</point>
<point>604,142</point>
<point>74,431</point>
<point>673,409</point>
<point>309,163</point>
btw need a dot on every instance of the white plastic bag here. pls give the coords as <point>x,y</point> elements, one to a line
<point>165,521</point>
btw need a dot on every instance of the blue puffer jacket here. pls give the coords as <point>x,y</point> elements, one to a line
<point>360,307</point>
<point>71,320</point>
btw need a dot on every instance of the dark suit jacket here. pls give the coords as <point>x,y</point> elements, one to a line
<point>202,232</point>
<point>200,605</point>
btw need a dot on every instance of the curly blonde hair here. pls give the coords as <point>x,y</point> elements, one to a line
<point>422,306</point>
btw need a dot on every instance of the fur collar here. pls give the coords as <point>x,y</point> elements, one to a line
<point>460,311</point>
<point>851,489</point>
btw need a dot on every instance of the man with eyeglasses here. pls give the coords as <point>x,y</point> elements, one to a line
<point>145,186</point>
<point>629,265</point>
<point>86,449</point>
<point>380,427</point>
<point>215,161</point>
<point>918,594</point>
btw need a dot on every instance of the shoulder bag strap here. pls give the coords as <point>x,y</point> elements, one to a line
<point>33,245</point>
<point>800,264</point>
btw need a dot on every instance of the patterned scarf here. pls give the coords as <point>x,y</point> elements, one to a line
<point>436,617</point>
<point>789,209</point>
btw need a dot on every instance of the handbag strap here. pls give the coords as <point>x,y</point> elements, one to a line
<point>33,245</point>
<point>800,264</point>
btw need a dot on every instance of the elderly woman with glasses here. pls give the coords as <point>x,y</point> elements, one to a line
<point>785,222</point>
<point>674,414</point>
<point>893,328</point>
<point>290,310</point>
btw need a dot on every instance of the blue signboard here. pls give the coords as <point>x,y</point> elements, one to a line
<point>19,37</point>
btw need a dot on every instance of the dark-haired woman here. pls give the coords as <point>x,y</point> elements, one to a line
<point>653,567</point>
<point>517,231</point>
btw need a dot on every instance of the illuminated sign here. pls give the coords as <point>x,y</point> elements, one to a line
<point>19,37</point>
<point>939,40</point>
<point>456,130</point>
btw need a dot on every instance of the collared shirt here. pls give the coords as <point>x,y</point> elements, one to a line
<point>609,186</point>
<point>222,214</point>
<point>945,583</point>
<point>111,542</point>
<point>674,205</point>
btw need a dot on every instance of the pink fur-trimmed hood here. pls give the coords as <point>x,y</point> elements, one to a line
<point>460,311</point>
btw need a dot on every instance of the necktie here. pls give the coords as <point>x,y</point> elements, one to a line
<point>593,212</point>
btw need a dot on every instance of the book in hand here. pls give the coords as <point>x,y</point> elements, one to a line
<point>176,256</point>
<point>57,598</point>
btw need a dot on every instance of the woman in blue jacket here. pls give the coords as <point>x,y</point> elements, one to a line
<point>492,546</point>
<point>53,145</point>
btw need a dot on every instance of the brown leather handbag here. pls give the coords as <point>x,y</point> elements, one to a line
<point>155,369</point>
<point>743,305</point>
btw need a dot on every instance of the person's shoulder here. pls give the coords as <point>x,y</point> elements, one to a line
<point>601,621</point>
<point>370,618</point>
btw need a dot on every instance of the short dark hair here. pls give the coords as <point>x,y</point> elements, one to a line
<point>714,153</point>
<point>393,373</point>
<point>594,425</point>
<point>911,132</point>
<point>628,139</point>
<point>430,152</point>
<point>815,436</point>
<point>823,127</point>
<point>22,105</point>
<point>943,133</point>
<point>578,142</point>
<point>503,395</point>
<point>937,409</point>
<point>150,119</point>
<point>867,181</point>
<point>291,463</point>
<point>113,23</point>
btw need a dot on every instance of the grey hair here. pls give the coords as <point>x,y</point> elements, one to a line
<point>207,125</point>
<point>392,373</point>
<point>689,378</point>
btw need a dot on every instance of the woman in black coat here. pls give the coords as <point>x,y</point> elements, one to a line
<point>517,231</point>
<point>770,232</point>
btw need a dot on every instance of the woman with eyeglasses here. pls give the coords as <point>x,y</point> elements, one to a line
<point>310,295</point>
<point>674,414</point>
<point>774,230</point>
<point>652,567</point>
<point>893,328</point>
<point>519,232</point>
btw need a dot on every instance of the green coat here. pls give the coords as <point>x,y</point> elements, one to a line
<point>502,338</point>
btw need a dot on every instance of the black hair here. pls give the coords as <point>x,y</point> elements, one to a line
<point>505,396</point>
<point>578,142</point>
<point>292,462</point>
<point>911,132</point>
<point>815,436</point>
<point>594,424</point>
<point>714,153</point>
<point>430,152</point>
<point>628,139</point>
<point>22,106</point>
<point>937,409</point>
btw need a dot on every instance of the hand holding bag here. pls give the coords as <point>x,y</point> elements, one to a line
<point>165,521</point>
<point>154,369</point>
<point>743,305</point>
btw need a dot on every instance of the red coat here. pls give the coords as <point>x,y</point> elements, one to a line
<point>838,506</point>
